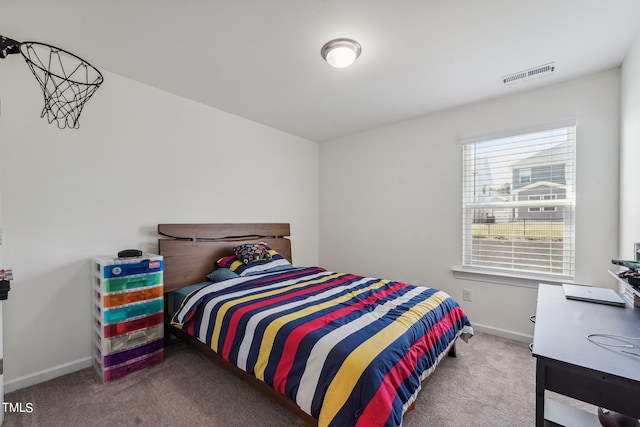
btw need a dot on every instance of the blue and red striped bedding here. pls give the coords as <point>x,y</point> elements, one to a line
<point>349,350</point>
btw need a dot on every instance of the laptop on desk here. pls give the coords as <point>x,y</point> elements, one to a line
<point>593,294</point>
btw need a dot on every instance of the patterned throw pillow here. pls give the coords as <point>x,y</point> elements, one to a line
<point>250,252</point>
<point>276,262</point>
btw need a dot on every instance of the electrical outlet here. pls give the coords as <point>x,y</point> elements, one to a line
<point>466,294</point>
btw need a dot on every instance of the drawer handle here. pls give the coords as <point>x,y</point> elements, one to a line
<point>137,335</point>
<point>144,280</point>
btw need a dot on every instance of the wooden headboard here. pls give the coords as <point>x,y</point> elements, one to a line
<point>190,250</point>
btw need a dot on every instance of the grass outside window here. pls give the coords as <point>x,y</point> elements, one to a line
<point>528,229</point>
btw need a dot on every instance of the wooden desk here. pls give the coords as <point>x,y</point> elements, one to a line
<point>567,363</point>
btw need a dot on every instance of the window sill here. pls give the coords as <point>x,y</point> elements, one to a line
<point>507,279</point>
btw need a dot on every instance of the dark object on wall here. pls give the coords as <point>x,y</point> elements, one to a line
<point>8,46</point>
<point>5,284</point>
<point>67,81</point>
<point>5,287</point>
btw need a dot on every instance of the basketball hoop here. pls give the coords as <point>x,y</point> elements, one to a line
<point>67,81</point>
<point>8,46</point>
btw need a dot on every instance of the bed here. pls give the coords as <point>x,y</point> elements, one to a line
<point>336,349</point>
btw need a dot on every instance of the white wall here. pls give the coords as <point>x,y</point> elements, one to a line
<point>141,157</point>
<point>390,199</point>
<point>630,153</point>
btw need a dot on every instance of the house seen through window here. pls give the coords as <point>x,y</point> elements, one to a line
<point>525,175</point>
<point>519,203</point>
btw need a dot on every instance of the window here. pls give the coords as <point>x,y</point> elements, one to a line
<point>519,203</point>
<point>525,175</point>
<point>544,208</point>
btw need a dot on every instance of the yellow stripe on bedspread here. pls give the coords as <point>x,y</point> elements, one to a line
<point>354,365</point>
<point>273,328</point>
<point>232,303</point>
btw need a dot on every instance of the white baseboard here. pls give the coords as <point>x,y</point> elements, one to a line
<point>47,374</point>
<point>77,365</point>
<point>504,333</point>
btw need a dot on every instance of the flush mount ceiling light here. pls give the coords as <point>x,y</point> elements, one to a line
<point>341,53</point>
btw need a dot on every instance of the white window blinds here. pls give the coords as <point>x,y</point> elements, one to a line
<point>519,203</point>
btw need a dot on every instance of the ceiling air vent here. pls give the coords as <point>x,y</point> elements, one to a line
<point>530,74</point>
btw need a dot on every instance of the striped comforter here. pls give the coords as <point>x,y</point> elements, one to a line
<point>349,350</point>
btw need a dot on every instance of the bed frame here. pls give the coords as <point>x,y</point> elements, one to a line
<point>190,252</point>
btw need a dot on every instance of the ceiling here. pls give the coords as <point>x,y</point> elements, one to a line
<point>261,59</point>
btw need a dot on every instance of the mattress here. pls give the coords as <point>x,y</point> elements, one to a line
<point>180,294</point>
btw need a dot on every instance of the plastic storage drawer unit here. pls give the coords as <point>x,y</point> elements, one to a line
<point>108,360</point>
<point>129,312</point>
<point>114,329</point>
<point>109,267</point>
<point>130,297</point>
<point>126,312</point>
<point>125,369</point>
<point>128,283</point>
<point>129,340</point>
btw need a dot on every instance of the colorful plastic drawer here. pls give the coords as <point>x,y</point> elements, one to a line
<point>120,357</point>
<point>109,267</point>
<point>123,298</point>
<point>120,328</point>
<point>129,368</point>
<point>129,282</point>
<point>127,312</point>
<point>129,340</point>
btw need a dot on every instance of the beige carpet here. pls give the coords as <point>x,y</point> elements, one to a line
<point>490,383</point>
